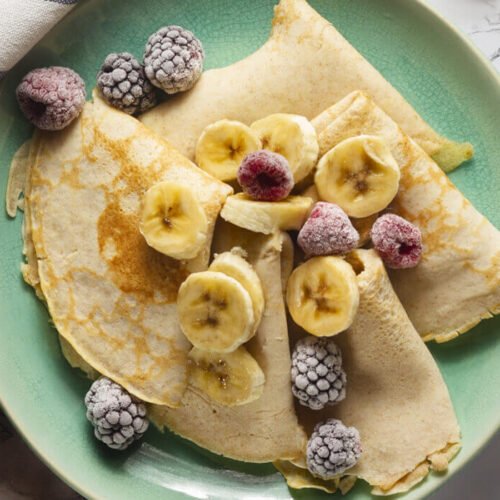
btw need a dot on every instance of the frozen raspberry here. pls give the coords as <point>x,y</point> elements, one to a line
<point>124,85</point>
<point>332,449</point>
<point>398,242</point>
<point>327,231</point>
<point>173,59</point>
<point>265,176</point>
<point>51,98</point>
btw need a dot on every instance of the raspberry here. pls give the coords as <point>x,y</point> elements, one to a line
<point>173,59</point>
<point>124,85</point>
<point>51,98</point>
<point>327,231</point>
<point>398,241</point>
<point>265,176</point>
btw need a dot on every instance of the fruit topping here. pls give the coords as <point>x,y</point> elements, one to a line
<point>318,379</point>
<point>173,221</point>
<point>363,226</point>
<point>292,136</point>
<point>332,449</point>
<point>230,379</point>
<point>322,296</point>
<point>266,216</point>
<point>118,418</point>
<point>265,176</point>
<point>327,231</point>
<point>398,241</point>
<point>173,59</point>
<point>51,98</point>
<point>359,174</point>
<point>215,312</point>
<point>222,147</point>
<point>124,85</point>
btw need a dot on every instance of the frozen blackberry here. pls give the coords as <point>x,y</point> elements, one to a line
<point>118,418</point>
<point>332,449</point>
<point>318,379</point>
<point>265,176</point>
<point>173,59</point>
<point>124,85</point>
<point>51,98</point>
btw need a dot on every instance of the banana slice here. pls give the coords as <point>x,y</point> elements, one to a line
<point>173,220</point>
<point>292,136</point>
<point>215,312</point>
<point>266,216</point>
<point>359,174</point>
<point>223,145</point>
<point>234,265</point>
<point>322,296</point>
<point>231,379</point>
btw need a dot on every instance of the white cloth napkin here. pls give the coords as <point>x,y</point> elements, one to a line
<point>23,23</point>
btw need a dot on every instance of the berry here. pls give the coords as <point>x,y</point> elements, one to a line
<point>173,59</point>
<point>124,85</point>
<point>398,241</point>
<point>51,98</point>
<point>332,449</point>
<point>265,176</point>
<point>327,231</point>
<point>318,379</point>
<point>118,418</point>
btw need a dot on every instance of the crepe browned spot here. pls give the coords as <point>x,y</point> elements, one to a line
<point>305,66</point>
<point>266,429</point>
<point>111,297</point>
<point>457,282</point>
<point>396,396</point>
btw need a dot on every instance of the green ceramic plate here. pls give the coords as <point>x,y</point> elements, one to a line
<point>438,71</point>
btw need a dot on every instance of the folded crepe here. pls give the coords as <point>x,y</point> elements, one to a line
<point>110,296</point>
<point>305,66</point>
<point>457,282</point>
<point>266,429</point>
<point>396,396</point>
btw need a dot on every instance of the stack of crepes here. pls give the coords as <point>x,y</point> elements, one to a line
<point>112,298</point>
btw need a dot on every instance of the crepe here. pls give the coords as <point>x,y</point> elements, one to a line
<point>266,429</point>
<point>109,294</point>
<point>457,282</point>
<point>396,396</point>
<point>305,66</point>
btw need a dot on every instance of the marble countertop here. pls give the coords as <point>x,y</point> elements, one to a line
<point>480,20</point>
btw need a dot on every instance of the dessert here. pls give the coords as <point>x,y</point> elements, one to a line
<point>265,176</point>
<point>222,146</point>
<point>301,43</point>
<point>51,98</point>
<point>124,85</point>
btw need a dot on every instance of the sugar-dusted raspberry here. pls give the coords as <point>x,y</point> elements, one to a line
<point>398,241</point>
<point>327,231</point>
<point>51,98</point>
<point>265,176</point>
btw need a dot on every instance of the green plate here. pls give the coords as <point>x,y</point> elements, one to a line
<point>438,71</point>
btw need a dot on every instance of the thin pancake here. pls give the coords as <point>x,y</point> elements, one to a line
<point>305,66</point>
<point>457,283</point>
<point>396,396</point>
<point>266,429</point>
<point>110,295</point>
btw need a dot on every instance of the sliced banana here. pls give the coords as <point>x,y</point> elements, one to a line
<point>230,379</point>
<point>215,312</point>
<point>266,216</point>
<point>173,220</point>
<point>223,145</point>
<point>292,136</point>
<point>322,296</point>
<point>358,174</point>
<point>234,265</point>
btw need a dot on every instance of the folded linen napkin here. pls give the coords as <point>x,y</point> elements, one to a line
<point>23,23</point>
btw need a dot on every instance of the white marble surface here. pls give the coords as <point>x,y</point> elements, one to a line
<point>480,20</point>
